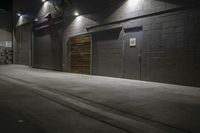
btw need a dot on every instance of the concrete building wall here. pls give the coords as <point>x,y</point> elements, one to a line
<point>46,37</point>
<point>5,35</point>
<point>170,45</point>
<point>169,49</point>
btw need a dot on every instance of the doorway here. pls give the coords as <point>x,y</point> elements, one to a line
<point>108,53</point>
<point>23,45</point>
<point>132,53</point>
<point>80,54</point>
<point>47,49</point>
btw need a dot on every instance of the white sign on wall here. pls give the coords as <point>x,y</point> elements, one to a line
<point>133,42</point>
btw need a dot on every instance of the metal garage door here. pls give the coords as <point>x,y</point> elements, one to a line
<point>22,48</point>
<point>108,53</point>
<point>48,48</point>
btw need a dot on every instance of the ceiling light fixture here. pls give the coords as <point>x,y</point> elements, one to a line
<point>19,14</point>
<point>76,13</point>
<point>36,19</point>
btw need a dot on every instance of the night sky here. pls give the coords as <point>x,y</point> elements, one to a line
<point>6,5</point>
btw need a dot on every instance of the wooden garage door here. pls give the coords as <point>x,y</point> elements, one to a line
<point>80,54</point>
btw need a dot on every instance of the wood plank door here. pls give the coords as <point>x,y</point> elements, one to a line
<point>80,54</point>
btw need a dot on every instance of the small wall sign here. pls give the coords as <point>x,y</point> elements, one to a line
<point>132,42</point>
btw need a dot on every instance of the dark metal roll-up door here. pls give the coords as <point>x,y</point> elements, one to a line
<point>80,54</point>
<point>22,48</point>
<point>47,48</point>
<point>108,53</point>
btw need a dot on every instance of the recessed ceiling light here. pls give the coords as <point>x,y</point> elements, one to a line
<point>76,13</point>
<point>19,14</point>
<point>36,19</point>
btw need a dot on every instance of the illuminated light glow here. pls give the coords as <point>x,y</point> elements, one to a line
<point>76,13</point>
<point>78,21</point>
<point>20,20</point>
<point>36,19</point>
<point>45,8</point>
<point>43,0</point>
<point>79,18</point>
<point>19,14</point>
<point>133,3</point>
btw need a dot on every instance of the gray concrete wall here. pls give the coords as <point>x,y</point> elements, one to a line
<point>170,46</point>
<point>5,33</point>
<point>47,37</point>
<point>47,46</point>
